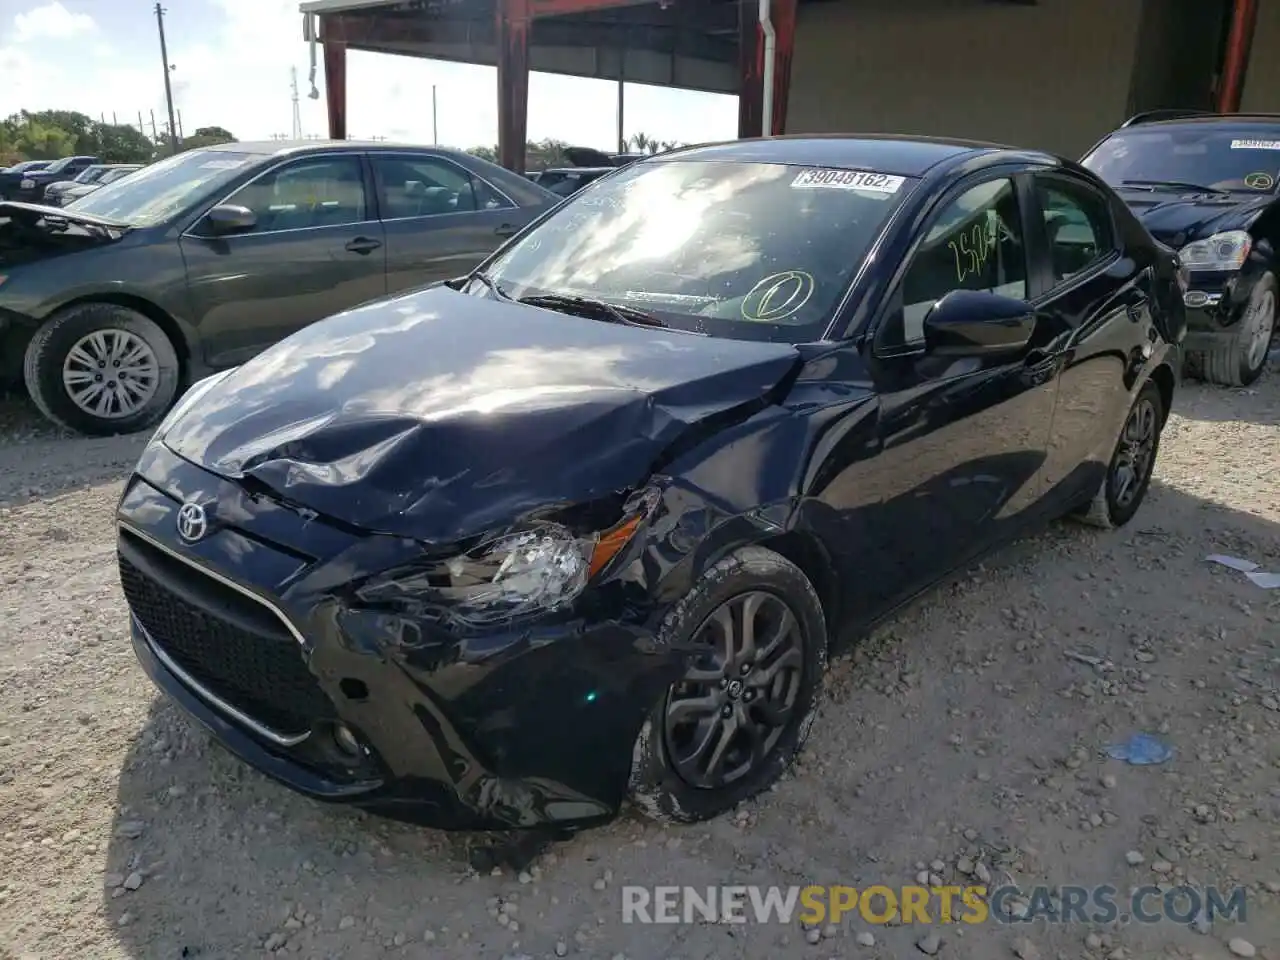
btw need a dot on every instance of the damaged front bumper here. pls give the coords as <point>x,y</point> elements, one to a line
<point>1215,302</point>
<point>251,631</point>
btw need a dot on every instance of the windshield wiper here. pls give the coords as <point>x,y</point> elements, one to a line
<point>491,283</point>
<point>1175,185</point>
<point>594,309</point>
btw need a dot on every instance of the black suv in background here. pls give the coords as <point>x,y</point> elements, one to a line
<point>1207,185</point>
<point>10,177</point>
<point>199,261</point>
<point>30,186</point>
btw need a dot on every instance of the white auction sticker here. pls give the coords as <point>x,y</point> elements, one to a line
<point>222,164</point>
<point>1255,144</point>
<point>815,178</point>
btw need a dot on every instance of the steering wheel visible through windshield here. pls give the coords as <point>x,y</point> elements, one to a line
<point>755,251</point>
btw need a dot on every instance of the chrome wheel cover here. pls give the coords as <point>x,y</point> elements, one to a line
<point>111,374</point>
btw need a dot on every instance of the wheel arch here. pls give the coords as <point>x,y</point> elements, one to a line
<point>1165,380</point>
<point>173,329</point>
<point>810,554</point>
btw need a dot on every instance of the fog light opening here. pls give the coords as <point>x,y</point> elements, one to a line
<point>353,689</point>
<point>346,740</point>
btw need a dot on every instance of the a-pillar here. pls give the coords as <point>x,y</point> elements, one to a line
<point>751,54</point>
<point>514,20</point>
<point>335,87</point>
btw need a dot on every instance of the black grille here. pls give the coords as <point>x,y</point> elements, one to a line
<point>230,644</point>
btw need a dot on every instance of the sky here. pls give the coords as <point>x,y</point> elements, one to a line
<point>232,61</point>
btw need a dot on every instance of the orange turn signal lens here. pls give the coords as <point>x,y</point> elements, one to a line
<point>611,543</point>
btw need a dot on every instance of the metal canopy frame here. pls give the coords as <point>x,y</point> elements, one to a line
<point>724,32</point>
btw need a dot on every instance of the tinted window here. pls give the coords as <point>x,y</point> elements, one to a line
<point>320,192</point>
<point>1236,158</point>
<point>164,188</point>
<point>1077,224</point>
<point>976,243</point>
<point>431,186</point>
<point>747,250</point>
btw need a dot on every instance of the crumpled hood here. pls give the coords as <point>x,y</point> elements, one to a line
<point>438,415</point>
<point>1179,220</point>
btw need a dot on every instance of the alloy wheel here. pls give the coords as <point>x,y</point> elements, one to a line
<point>1259,324</point>
<point>1134,455</point>
<point>734,704</point>
<point>110,373</point>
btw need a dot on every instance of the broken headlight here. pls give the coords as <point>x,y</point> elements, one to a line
<point>536,570</point>
<point>541,568</point>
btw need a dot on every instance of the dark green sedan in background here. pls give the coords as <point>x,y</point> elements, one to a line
<point>201,260</point>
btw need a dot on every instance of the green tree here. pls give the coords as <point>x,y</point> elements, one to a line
<point>121,143</point>
<point>203,137</point>
<point>643,143</point>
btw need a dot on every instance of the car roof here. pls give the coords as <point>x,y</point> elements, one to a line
<point>885,153</point>
<point>281,147</point>
<point>1226,121</point>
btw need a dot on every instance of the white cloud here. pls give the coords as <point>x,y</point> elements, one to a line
<point>52,21</point>
<point>232,71</point>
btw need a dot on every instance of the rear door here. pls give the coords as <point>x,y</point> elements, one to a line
<point>315,250</point>
<point>1101,300</point>
<point>440,220</point>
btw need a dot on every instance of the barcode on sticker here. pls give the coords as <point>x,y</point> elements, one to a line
<point>848,180</point>
<point>1255,144</point>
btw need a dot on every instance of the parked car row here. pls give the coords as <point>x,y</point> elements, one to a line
<point>27,181</point>
<point>269,239</point>
<point>62,192</point>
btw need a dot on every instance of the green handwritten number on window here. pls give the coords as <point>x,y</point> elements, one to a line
<point>972,249</point>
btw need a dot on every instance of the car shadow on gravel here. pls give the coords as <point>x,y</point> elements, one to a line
<point>210,859</point>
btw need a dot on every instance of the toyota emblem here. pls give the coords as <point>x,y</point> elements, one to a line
<point>193,523</point>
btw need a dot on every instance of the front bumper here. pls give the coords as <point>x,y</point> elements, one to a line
<point>253,632</point>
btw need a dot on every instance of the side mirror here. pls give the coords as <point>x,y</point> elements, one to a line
<point>229,218</point>
<point>974,323</point>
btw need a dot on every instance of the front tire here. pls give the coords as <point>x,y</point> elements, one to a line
<point>101,369</point>
<point>1129,474</point>
<point>1240,360</point>
<point>734,723</point>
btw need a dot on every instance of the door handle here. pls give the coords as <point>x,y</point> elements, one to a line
<point>363,245</point>
<point>506,230</point>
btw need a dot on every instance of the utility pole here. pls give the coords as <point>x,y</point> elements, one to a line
<point>435,134</point>
<point>168,87</point>
<point>297,110</point>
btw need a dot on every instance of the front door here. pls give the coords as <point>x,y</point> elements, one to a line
<point>440,220</point>
<point>315,250</point>
<point>956,458</point>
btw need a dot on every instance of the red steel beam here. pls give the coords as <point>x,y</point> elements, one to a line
<point>751,66</point>
<point>335,87</point>
<point>513,20</point>
<point>1244,16</point>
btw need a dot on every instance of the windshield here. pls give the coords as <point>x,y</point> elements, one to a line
<point>90,175</point>
<point>58,165</point>
<point>1234,158</point>
<point>162,189</point>
<point>752,251</point>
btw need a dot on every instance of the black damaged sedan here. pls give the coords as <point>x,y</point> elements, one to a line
<point>583,525</point>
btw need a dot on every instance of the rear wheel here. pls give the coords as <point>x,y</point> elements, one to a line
<point>1239,361</point>
<point>101,369</point>
<point>737,719</point>
<point>1129,473</point>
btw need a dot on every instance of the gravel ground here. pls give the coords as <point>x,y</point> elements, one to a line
<point>960,737</point>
